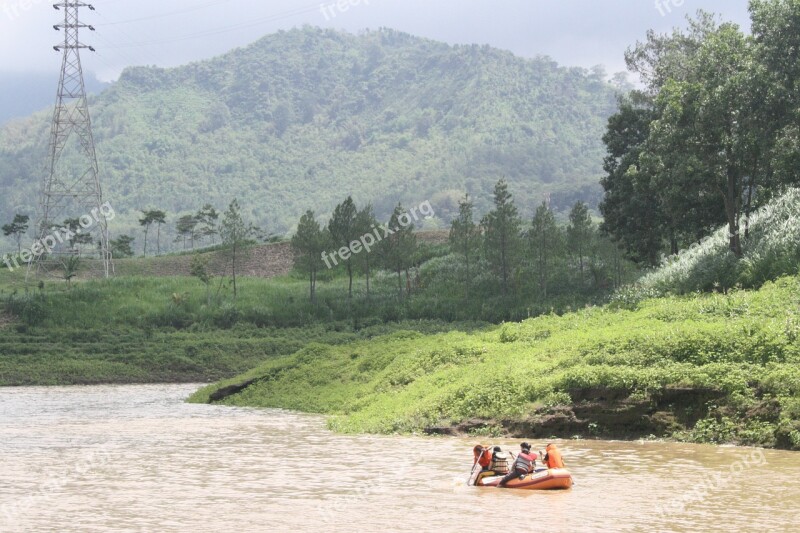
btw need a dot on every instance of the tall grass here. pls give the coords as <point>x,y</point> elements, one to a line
<point>771,250</point>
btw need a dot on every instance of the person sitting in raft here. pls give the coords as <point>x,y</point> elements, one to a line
<point>483,456</point>
<point>523,465</point>
<point>552,459</point>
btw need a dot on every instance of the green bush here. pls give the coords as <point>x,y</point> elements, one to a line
<point>31,309</point>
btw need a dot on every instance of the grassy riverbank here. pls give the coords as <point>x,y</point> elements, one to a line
<point>145,330</point>
<point>704,368</point>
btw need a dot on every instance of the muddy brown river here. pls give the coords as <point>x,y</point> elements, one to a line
<point>137,458</point>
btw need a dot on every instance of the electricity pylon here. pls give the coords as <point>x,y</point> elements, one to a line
<point>72,213</point>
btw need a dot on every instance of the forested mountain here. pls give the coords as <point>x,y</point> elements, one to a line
<point>302,118</point>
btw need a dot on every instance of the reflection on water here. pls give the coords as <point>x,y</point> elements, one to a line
<point>138,458</point>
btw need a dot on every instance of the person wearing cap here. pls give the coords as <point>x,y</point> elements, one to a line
<point>523,465</point>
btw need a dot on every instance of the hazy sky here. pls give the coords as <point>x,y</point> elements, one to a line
<point>173,32</point>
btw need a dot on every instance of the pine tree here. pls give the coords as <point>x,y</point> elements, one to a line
<point>208,217</point>
<point>501,230</point>
<point>465,237</point>
<point>343,231</point>
<point>236,237</point>
<point>365,224</point>
<point>579,234</point>
<point>544,238</point>
<point>17,229</point>
<point>399,248</point>
<point>186,227</point>
<point>308,244</point>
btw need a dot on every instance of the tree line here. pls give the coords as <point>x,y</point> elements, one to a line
<point>498,258</point>
<point>316,246</point>
<point>535,260</point>
<point>712,135</point>
<point>235,234</point>
<point>192,228</point>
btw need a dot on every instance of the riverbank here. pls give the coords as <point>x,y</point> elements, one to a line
<point>704,368</point>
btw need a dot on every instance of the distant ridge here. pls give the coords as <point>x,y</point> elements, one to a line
<point>302,118</point>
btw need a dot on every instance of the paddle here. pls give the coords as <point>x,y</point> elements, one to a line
<point>476,469</point>
<point>473,476</point>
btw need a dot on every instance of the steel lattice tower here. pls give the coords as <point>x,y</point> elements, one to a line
<point>71,188</point>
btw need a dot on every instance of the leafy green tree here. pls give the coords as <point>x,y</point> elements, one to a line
<point>579,234</point>
<point>683,157</point>
<point>663,57</point>
<point>465,237</point>
<point>308,245</point>
<point>631,209</point>
<point>609,271</point>
<point>399,248</point>
<point>122,246</point>
<point>776,46</point>
<point>652,195</point>
<point>344,230</point>
<point>236,236</point>
<point>219,116</point>
<point>145,222</point>
<point>17,229</point>
<point>709,116</point>
<point>501,230</point>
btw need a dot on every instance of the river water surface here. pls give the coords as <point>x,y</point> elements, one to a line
<point>136,458</point>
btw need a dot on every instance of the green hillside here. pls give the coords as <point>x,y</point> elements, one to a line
<point>303,118</point>
<point>706,368</point>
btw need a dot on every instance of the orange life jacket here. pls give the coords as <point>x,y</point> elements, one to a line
<point>483,456</point>
<point>553,457</point>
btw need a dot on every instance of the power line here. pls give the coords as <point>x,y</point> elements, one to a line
<point>168,14</point>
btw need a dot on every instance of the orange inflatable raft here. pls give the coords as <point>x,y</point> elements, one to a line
<point>544,479</point>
